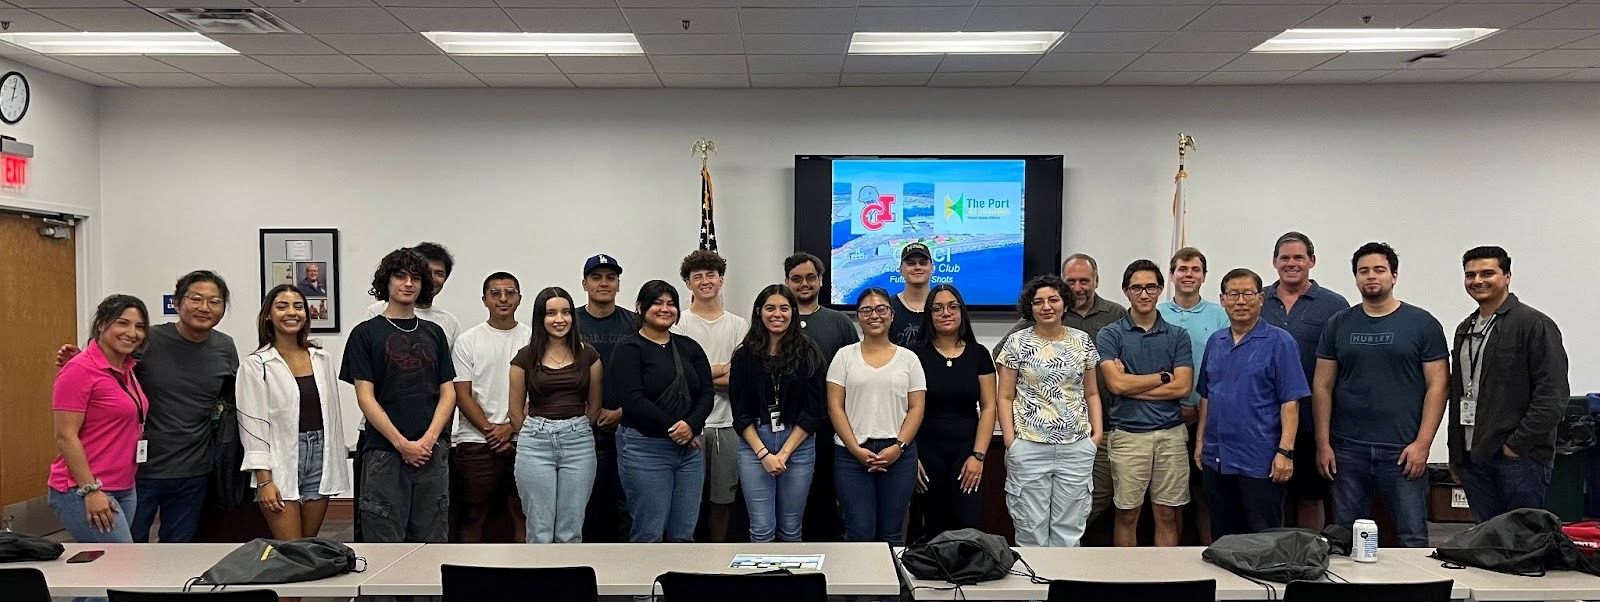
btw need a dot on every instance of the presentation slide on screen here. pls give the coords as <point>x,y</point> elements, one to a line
<point>968,212</point>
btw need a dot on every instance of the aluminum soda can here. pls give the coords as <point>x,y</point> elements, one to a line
<point>1365,546</point>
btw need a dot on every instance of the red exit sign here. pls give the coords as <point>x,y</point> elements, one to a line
<point>13,171</point>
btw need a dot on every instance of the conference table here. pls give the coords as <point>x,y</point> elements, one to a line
<point>159,567</point>
<point>1488,585</point>
<point>1157,564</point>
<point>852,569</point>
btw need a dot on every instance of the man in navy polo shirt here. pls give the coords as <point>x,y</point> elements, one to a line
<point>1250,385</point>
<point>1298,304</point>
<point>1148,365</point>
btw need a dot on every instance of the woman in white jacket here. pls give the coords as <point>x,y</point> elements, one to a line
<point>289,419</point>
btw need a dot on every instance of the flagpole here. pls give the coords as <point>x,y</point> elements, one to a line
<point>1180,202</point>
<point>708,228</point>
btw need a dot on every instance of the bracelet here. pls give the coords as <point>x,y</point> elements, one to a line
<point>264,483</point>
<point>762,455</point>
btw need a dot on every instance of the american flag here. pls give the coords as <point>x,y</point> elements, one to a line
<point>708,224</point>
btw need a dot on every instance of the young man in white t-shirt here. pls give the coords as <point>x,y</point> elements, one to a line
<point>485,452</point>
<point>718,332</point>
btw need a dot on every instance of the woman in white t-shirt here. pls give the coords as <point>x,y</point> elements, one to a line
<point>1050,418</point>
<point>875,401</point>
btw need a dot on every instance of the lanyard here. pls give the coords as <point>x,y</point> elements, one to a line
<point>1476,341</point>
<point>137,402</point>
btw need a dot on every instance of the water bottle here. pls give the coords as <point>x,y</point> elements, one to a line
<point>1365,546</point>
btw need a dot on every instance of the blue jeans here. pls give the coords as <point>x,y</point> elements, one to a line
<point>874,503</point>
<point>74,517</point>
<point>310,465</point>
<point>1503,484</point>
<point>555,473</point>
<point>1364,468</point>
<point>776,500</point>
<point>663,481</point>
<point>1049,491</point>
<point>177,500</point>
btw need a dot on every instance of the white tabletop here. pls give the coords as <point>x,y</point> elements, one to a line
<point>1489,585</point>
<point>1390,568</point>
<point>167,567</point>
<point>630,569</point>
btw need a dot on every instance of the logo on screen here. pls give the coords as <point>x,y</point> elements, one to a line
<point>877,213</point>
<point>956,207</point>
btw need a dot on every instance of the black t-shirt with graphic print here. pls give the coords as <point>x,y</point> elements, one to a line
<point>406,361</point>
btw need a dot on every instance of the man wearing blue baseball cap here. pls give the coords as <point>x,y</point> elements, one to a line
<point>602,324</point>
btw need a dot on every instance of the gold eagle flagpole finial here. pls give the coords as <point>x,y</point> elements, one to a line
<point>704,149</point>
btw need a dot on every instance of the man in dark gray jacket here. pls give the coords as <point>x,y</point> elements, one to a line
<point>1508,391</point>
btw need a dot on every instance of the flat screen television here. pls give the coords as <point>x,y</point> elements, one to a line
<point>990,221</point>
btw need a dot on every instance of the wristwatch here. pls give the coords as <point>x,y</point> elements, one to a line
<point>1287,453</point>
<point>978,455</point>
<point>85,490</point>
<point>1166,377</point>
<point>900,444</point>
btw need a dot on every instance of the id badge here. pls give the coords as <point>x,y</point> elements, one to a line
<point>777,422</point>
<point>1469,412</point>
<point>143,452</point>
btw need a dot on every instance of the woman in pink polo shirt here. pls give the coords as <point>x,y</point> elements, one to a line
<point>99,412</point>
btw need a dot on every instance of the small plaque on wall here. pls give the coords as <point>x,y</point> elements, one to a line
<point>306,259</point>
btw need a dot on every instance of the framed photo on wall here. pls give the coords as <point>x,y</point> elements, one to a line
<point>307,259</point>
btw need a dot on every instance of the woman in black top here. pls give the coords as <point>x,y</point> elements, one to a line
<point>664,383</point>
<point>960,414</point>
<point>777,381</point>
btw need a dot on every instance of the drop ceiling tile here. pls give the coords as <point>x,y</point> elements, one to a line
<point>711,64</point>
<point>507,64</point>
<point>1589,43</point>
<point>345,80</point>
<point>108,19</point>
<point>379,43</point>
<point>26,21</point>
<point>676,3</point>
<point>705,80</point>
<point>791,3</point>
<point>988,62</point>
<point>68,3</point>
<point>437,3</point>
<point>961,3</point>
<point>435,80</point>
<point>615,80</point>
<point>1158,2</point>
<point>1138,18</point>
<point>525,80</point>
<point>294,64</point>
<point>1214,41</point>
<point>975,80</point>
<point>569,20</point>
<point>797,20</point>
<point>342,20</point>
<point>118,64</point>
<point>1362,61</point>
<point>1111,42</point>
<point>1531,39</point>
<point>1244,78</point>
<point>254,80</point>
<point>163,80</point>
<point>796,44</point>
<point>278,43</point>
<point>1484,15</point>
<point>454,19</point>
<point>1581,75</point>
<point>517,4</point>
<point>1573,16</point>
<point>1337,77</point>
<point>1252,18</point>
<point>796,63</point>
<point>794,80</point>
<point>1154,78</point>
<point>878,63</point>
<point>692,43</point>
<point>387,64</point>
<point>670,20</point>
<point>882,80</point>
<point>877,18</point>
<point>197,63</point>
<point>610,65</point>
<point>1517,75</point>
<point>1065,78</point>
<point>1025,18</point>
<point>1569,59</point>
<point>315,3</point>
<point>982,3</point>
<point>1258,61</point>
<point>1425,76</point>
<point>1475,59</point>
<point>1383,15</point>
<point>1085,61</point>
<point>1182,61</point>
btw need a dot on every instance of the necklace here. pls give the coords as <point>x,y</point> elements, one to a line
<point>397,326</point>
<point>950,362</point>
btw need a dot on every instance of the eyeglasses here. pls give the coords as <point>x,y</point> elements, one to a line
<point>1148,289</point>
<point>806,279</point>
<point>1237,295</point>
<point>198,300</point>
<point>874,310</point>
<point>940,308</point>
<point>503,293</point>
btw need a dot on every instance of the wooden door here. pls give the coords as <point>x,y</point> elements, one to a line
<point>38,313</point>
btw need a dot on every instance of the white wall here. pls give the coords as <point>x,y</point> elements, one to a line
<point>534,181</point>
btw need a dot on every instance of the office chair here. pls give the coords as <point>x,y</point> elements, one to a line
<point>245,595</point>
<point>767,587</point>
<point>1318,591</point>
<point>483,583</point>
<point>1174,591</point>
<point>24,585</point>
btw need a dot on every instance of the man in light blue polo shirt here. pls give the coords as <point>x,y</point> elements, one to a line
<point>1148,366</point>
<point>1249,396</point>
<point>1187,310</point>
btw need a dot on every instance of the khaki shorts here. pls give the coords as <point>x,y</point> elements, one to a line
<point>1157,461</point>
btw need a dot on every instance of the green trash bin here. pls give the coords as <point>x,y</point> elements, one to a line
<point>1564,498</point>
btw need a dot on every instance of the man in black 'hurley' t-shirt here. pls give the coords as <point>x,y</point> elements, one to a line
<point>401,368</point>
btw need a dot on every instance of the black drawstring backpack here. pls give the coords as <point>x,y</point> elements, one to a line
<point>965,557</point>
<point>1525,541</point>
<point>16,547</point>
<point>266,561</point>
<point>1278,556</point>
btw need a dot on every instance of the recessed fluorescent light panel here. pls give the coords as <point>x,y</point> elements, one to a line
<point>117,43</point>
<point>458,42</point>
<point>954,42</point>
<point>1371,40</point>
